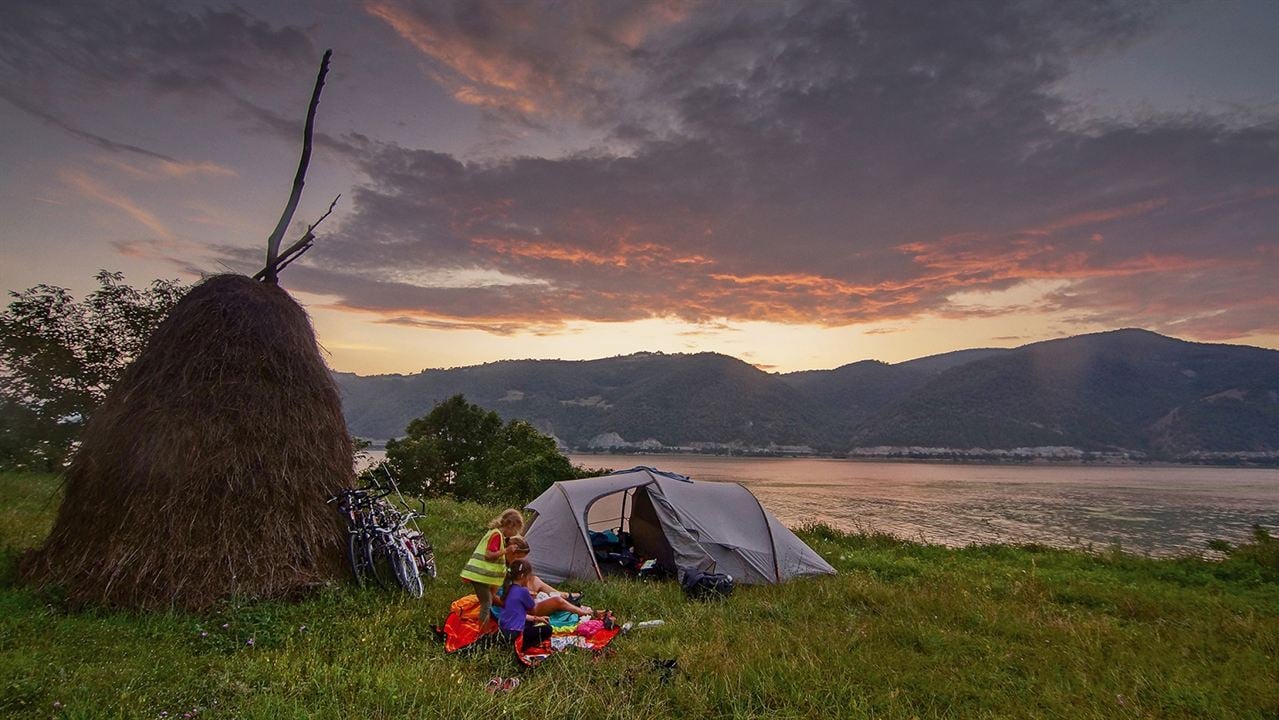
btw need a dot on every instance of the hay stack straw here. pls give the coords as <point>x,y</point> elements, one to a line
<point>204,473</point>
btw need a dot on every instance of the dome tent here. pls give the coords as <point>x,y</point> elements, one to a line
<point>683,524</point>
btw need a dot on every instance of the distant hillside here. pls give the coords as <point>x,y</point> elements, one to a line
<point>1127,389</point>
<point>849,395</point>
<point>934,364</point>
<point>674,399</point>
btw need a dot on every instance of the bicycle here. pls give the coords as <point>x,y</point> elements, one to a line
<point>355,506</point>
<point>380,544</point>
<point>396,548</point>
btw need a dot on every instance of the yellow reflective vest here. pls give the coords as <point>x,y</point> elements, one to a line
<point>483,571</point>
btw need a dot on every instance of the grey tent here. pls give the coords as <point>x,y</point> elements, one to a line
<point>686,525</point>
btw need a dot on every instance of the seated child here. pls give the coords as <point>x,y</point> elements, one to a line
<point>517,605</point>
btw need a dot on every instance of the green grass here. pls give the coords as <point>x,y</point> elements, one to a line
<point>904,631</point>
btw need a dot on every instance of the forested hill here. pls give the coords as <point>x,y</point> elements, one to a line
<point>673,399</point>
<point>1127,389</point>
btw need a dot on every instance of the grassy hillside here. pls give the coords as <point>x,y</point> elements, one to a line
<point>904,631</point>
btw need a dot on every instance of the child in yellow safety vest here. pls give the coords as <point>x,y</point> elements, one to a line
<point>485,570</point>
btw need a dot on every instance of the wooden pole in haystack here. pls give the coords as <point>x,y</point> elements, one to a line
<point>203,476</point>
<point>271,271</point>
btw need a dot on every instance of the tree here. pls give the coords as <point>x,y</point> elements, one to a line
<point>462,450</point>
<point>59,357</point>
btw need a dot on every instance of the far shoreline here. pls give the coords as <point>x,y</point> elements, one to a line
<point>1227,464</point>
<point>1035,462</point>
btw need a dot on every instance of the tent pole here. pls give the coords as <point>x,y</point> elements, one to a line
<point>772,541</point>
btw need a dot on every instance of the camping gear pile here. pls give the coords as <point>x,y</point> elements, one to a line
<point>649,522</point>
<point>707,586</point>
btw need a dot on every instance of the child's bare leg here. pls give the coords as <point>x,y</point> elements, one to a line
<point>541,586</point>
<point>556,604</point>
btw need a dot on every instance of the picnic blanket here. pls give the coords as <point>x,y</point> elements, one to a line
<point>462,629</point>
<point>593,637</point>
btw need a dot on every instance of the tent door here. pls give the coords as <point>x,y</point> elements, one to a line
<point>631,513</point>
<point>646,531</point>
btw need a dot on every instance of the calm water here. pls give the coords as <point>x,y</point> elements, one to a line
<point>1156,510</point>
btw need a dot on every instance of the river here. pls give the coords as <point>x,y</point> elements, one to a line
<point>1152,510</point>
<point>1145,509</point>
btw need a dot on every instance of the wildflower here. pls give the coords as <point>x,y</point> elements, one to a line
<point>204,633</point>
<point>301,628</point>
<point>249,642</point>
<point>57,705</point>
<point>226,625</point>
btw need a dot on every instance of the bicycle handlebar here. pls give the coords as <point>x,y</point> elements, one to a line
<point>362,494</point>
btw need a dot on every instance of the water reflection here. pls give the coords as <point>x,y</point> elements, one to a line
<point>1155,510</point>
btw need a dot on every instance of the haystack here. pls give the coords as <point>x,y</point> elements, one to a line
<point>205,472</point>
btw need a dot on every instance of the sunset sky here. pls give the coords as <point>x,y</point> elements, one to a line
<point>798,184</point>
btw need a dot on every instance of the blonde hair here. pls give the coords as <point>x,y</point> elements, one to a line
<point>510,517</point>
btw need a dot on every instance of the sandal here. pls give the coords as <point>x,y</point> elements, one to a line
<point>510,684</point>
<point>493,685</point>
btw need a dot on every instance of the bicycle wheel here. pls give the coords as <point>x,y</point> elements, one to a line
<point>426,560</point>
<point>356,552</point>
<point>381,563</point>
<point>406,572</point>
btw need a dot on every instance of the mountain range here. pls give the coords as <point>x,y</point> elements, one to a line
<point>1129,391</point>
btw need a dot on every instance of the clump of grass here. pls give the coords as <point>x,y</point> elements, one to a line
<point>905,630</point>
<point>1262,551</point>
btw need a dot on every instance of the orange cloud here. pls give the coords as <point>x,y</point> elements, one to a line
<point>1093,217</point>
<point>533,61</point>
<point>479,78</point>
<point>625,253</point>
<point>80,181</point>
<point>1260,193</point>
<point>1028,254</point>
<point>786,283</point>
<point>157,169</point>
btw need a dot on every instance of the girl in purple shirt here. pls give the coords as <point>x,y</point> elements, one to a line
<point>517,601</point>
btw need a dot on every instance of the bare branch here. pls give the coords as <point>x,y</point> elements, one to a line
<point>302,245</point>
<point>287,260</point>
<point>273,242</point>
<point>297,248</point>
<point>327,213</point>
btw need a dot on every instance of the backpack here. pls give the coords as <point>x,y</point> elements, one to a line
<point>707,586</point>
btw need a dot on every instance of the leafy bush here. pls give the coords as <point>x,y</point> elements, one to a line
<point>462,450</point>
<point>59,357</point>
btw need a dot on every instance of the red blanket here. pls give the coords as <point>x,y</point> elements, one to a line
<point>462,626</point>
<point>536,654</point>
<point>462,629</point>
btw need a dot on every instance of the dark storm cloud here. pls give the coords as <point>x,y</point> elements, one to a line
<point>827,162</point>
<point>56,54</point>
